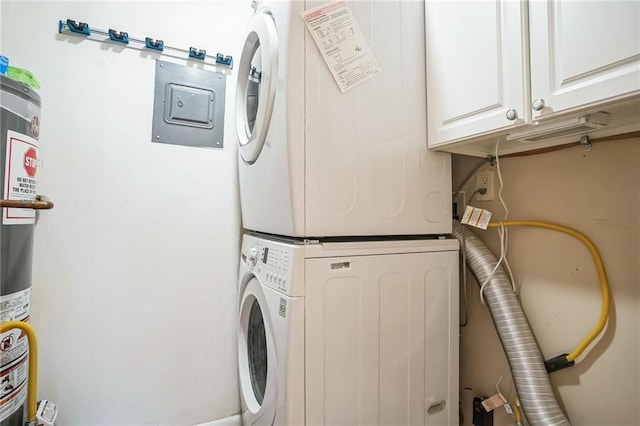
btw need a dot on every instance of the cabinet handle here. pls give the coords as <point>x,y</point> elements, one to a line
<point>511,114</point>
<point>538,104</point>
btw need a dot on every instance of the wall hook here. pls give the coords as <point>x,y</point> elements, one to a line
<point>78,28</point>
<point>154,44</point>
<point>197,53</point>
<point>118,37</point>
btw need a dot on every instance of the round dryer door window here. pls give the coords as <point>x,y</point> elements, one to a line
<point>256,355</point>
<point>256,86</point>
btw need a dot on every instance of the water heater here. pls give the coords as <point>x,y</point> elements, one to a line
<point>19,131</point>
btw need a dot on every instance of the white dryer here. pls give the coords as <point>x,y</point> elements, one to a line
<point>316,162</point>
<point>348,332</point>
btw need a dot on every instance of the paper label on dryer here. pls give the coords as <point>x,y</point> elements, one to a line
<point>341,44</point>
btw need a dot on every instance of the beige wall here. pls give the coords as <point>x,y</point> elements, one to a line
<point>598,194</point>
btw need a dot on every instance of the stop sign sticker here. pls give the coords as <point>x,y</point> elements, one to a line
<point>20,184</point>
<point>30,162</point>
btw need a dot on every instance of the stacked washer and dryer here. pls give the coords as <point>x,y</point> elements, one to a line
<point>348,283</point>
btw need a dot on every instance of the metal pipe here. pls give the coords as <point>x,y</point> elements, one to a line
<point>525,359</point>
<point>41,203</point>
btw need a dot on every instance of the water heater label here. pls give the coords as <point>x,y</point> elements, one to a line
<point>14,353</point>
<point>21,164</point>
<point>341,44</point>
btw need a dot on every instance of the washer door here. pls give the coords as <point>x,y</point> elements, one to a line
<point>256,357</point>
<point>256,86</point>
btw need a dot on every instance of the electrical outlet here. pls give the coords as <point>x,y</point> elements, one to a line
<point>485,179</point>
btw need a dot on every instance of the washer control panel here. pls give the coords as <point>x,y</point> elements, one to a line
<point>273,265</point>
<point>277,262</point>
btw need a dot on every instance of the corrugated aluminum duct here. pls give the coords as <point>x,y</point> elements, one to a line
<point>525,359</point>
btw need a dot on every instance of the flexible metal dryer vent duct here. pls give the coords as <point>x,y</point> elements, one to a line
<point>525,359</point>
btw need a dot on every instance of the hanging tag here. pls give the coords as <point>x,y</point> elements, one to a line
<point>341,43</point>
<point>476,217</point>
<point>493,402</point>
<point>507,408</point>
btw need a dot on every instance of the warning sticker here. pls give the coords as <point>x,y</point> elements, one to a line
<point>14,353</point>
<point>476,217</point>
<point>341,44</point>
<point>21,164</point>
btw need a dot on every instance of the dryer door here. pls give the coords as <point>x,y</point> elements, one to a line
<point>256,86</point>
<point>256,357</point>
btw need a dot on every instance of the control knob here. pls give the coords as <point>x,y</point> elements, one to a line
<point>252,259</point>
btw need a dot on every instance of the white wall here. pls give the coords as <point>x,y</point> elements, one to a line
<point>597,193</point>
<point>135,269</point>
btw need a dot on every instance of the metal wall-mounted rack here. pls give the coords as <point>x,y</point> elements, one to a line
<point>121,38</point>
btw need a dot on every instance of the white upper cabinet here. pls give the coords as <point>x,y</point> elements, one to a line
<point>521,72</point>
<point>583,52</point>
<point>475,63</point>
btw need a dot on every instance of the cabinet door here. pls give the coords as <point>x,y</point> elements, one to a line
<point>583,52</point>
<point>476,68</point>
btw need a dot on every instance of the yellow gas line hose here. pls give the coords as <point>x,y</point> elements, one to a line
<point>604,284</point>
<point>517,413</point>
<point>32,386</point>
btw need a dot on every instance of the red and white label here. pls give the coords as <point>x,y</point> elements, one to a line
<point>21,165</point>
<point>14,353</point>
<point>476,217</point>
<point>341,43</point>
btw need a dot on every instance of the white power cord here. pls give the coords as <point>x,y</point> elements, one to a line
<point>500,380</point>
<point>506,214</point>
<point>502,233</point>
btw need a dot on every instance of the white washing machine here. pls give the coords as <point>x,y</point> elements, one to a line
<point>317,162</point>
<point>348,332</point>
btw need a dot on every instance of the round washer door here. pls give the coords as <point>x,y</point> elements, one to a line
<point>256,357</point>
<point>256,86</point>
